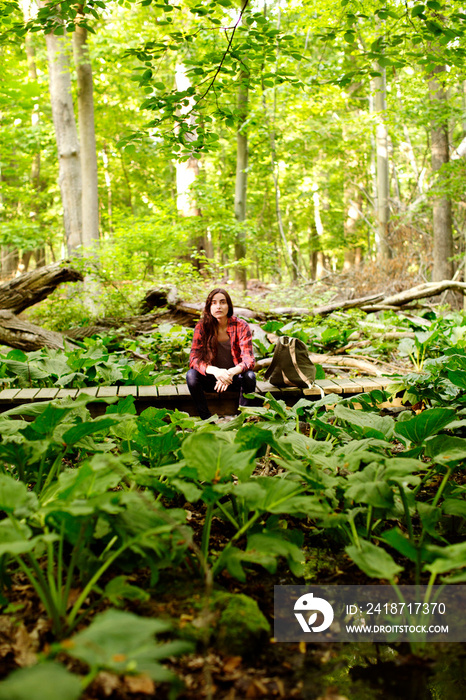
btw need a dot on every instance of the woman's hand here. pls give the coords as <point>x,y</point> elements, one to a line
<point>220,386</point>
<point>223,376</point>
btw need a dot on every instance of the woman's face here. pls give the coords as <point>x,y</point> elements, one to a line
<point>219,306</point>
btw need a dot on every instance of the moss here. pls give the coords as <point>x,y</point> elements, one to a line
<point>234,624</point>
<point>241,626</point>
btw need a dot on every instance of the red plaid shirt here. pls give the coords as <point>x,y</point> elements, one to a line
<point>241,346</point>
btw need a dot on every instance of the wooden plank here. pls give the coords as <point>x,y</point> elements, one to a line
<point>131,390</point>
<point>349,386</point>
<point>47,393</point>
<point>329,387</point>
<point>386,381</point>
<point>167,390</point>
<point>63,393</point>
<point>8,394</point>
<point>88,390</point>
<point>371,383</point>
<point>312,391</point>
<point>287,391</point>
<point>147,392</point>
<point>183,390</point>
<point>264,387</point>
<point>26,394</point>
<point>105,391</point>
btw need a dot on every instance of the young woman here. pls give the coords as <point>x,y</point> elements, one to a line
<point>221,354</point>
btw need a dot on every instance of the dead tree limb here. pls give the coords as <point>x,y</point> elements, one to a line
<point>28,289</point>
<point>26,336</point>
<point>423,291</point>
<point>376,302</point>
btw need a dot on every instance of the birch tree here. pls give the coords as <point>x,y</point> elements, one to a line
<point>90,195</point>
<point>442,216</point>
<point>241,174</point>
<point>382,167</point>
<point>187,170</point>
<point>66,136</point>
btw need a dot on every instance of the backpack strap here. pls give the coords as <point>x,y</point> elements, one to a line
<point>299,372</point>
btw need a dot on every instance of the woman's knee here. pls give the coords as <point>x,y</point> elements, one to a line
<point>249,379</point>
<point>192,378</point>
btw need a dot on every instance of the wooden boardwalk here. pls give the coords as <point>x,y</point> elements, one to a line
<point>177,396</point>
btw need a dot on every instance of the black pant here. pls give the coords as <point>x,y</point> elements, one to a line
<point>199,383</point>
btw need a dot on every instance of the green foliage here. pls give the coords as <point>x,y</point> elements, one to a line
<point>116,641</point>
<point>46,681</point>
<point>123,643</point>
<point>102,361</point>
<point>86,503</point>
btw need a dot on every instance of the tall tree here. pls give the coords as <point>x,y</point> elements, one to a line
<point>66,136</point>
<point>187,169</point>
<point>241,180</point>
<point>442,217</point>
<point>90,195</point>
<point>382,169</point>
<point>39,253</point>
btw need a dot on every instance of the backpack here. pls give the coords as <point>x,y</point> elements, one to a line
<point>291,365</point>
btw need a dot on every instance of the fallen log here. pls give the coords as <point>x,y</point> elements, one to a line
<point>168,298</point>
<point>26,336</point>
<point>28,289</point>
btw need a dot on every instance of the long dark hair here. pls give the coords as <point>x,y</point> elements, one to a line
<point>210,325</point>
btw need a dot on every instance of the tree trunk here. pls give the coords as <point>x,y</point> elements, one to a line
<point>90,195</point>
<point>9,261</point>
<point>442,219</point>
<point>67,139</point>
<point>383,181</point>
<point>241,175</point>
<point>187,171</point>
<point>35,167</point>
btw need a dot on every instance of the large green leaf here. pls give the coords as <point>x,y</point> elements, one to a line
<point>124,643</point>
<point>425,424</point>
<point>214,458</point>
<point>447,558</point>
<point>81,430</point>
<point>15,497</point>
<point>46,681</point>
<point>17,538</point>
<point>458,378</point>
<point>454,506</point>
<point>100,474</point>
<point>373,561</point>
<point>46,422</point>
<point>264,549</point>
<point>396,539</point>
<point>403,470</point>
<point>365,423</point>
<point>25,371</point>
<point>446,448</point>
<point>369,486</point>
<point>271,495</point>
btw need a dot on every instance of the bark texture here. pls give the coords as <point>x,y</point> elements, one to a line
<point>90,197</point>
<point>241,176</point>
<point>66,137</point>
<point>30,288</point>
<point>187,171</point>
<point>26,336</point>
<point>442,217</point>
<point>382,172</point>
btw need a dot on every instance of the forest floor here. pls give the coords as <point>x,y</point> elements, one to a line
<point>232,668</point>
<point>223,669</point>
